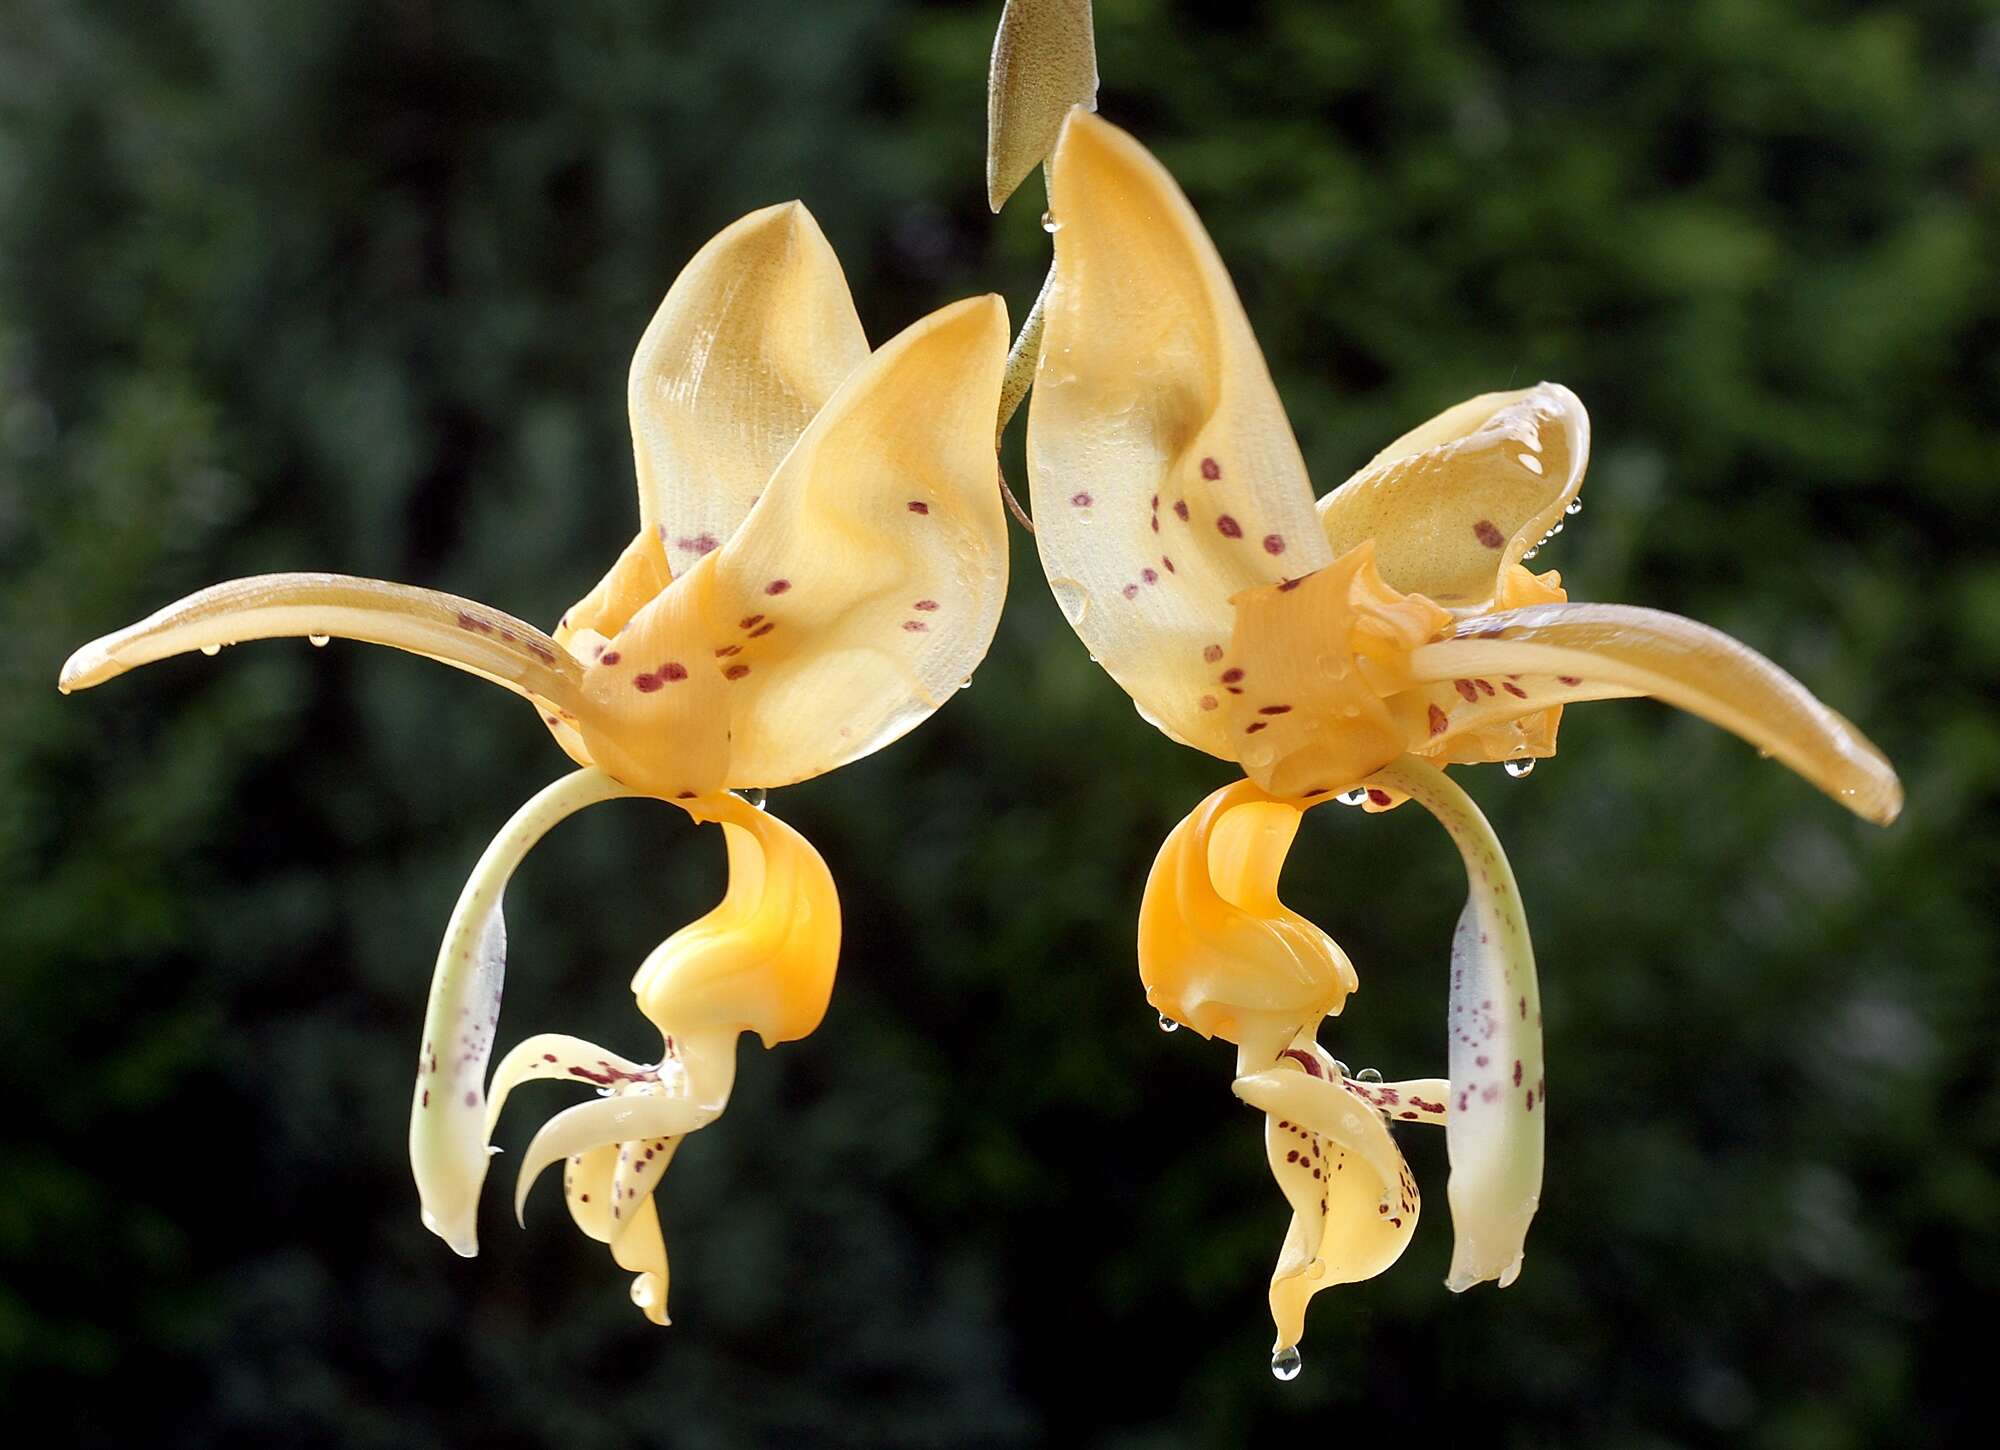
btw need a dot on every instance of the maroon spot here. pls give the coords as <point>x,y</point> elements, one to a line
<point>1288,585</point>
<point>646,684</point>
<point>735,672</point>
<point>915,626</point>
<point>1516,691</point>
<point>1230,677</point>
<point>1274,543</point>
<point>673,670</point>
<point>1517,1072</point>
<point>727,650</point>
<point>548,1057</point>
<point>1439,723</point>
<point>1156,523</point>
<point>1151,576</point>
<point>1531,1100</point>
<point>1254,727</point>
<point>1228,527</point>
<point>427,1097</point>
<point>777,586</point>
<point>551,719</point>
<point>1181,510</point>
<point>1275,710</point>
<point>1292,1156</point>
<point>1235,689</point>
<point>918,506</point>
<point>1080,500</point>
<point>1212,653</point>
<point>763,629</point>
<point>583,1198</point>
<point>1130,591</point>
<point>1156,503</point>
<point>1524,1009</point>
<point>686,795</point>
<point>1488,534</point>
<point>474,623</point>
<point>1305,1060</point>
<point>1169,563</point>
<point>1468,691</point>
<point>1208,702</point>
<point>1378,797</point>
<point>1210,469</point>
<point>1316,790</point>
<point>1479,1061</point>
<point>1485,685</point>
<point>700,544</point>
<point>1571,680</point>
<point>1406,1113</point>
<point>750,621</point>
<point>471,1099</point>
<point>927,605</point>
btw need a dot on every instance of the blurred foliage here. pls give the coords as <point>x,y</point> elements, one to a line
<point>352,285</point>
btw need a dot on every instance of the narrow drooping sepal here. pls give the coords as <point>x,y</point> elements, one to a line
<point>1044,62</point>
<point>1494,1019</point>
<point>448,1111</point>
<point>1615,649</point>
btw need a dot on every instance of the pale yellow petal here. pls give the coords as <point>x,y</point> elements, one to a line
<point>641,1249</point>
<point>459,632</point>
<point>1044,62</point>
<point>866,584</point>
<point>755,335</point>
<point>1611,650</point>
<point>1165,476</point>
<point>1453,503</point>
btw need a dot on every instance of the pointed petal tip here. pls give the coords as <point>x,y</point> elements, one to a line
<point>89,666</point>
<point>463,1238</point>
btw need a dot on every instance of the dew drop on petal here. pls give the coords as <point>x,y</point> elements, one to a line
<point>1574,507</point>
<point>1368,1074</point>
<point>1286,1364</point>
<point>1521,769</point>
<point>1341,1068</point>
<point>319,641</point>
<point>1353,797</point>
<point>211,650</point>
<point>756,796</point>
<point>1167,1024</point>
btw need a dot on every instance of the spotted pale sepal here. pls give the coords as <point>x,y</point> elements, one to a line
<point>1354,1201</point>
<point>1597,651</point>
<point>1218,951</point>
<point>1494,1020</point>
<point>866,584</point>
<point>754,337</point>
<point>1454,503</point>
<point>1044,62</point>
<point>633,1234</point>
<point>448,1110</point>
<point>1165,476</point>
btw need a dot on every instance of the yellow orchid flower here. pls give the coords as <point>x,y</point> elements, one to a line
<point>1341,650</point>
<point>820,564</point>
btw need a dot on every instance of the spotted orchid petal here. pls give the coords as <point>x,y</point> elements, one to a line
<point>1218,951</point>
<point>867,582</point>
<point>1044,62</point>
<point>459,632</point>
<point>559,1057</point>
<point>630,1226</point>
<point>1354,1201</point>
<point>1494,1132</point>
<point>1164,474</point>
<point>1554,652</point>
<point>1454,504</point>
<point>449,1123</point>
<point>754,337</point>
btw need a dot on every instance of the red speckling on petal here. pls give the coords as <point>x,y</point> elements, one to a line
<point>750,621</point>
<point>1254,726</point>
<point>1515,690</point>
<point>1468,691</point>
<point>1378,797</point>
<point>1570,680</point>
<point>727,650</point>
<point>472,1098</point>
<point>1212,653</point>
<point>1210,469</point>
<point>777,586</point>
<point>548,1057</point>
<point>763,629</point>
<point>1080,500</point>
<point>427,1097</point>
<point>1275,710</point>
<point>1130,591</point>
<point>686,795</point>
<point>927,605</point>
<point>918,506</point>
<point>1151,576</point>
<point>1181,510</point>
<point>646,684</point>
<point>915,626</point>
<point>1230,677</point>
<point>1208,702</point>
<point>1274,543</point>
<point>673,670</point>
<point>1488,534</point>
<point>1228,527</point>
<point>610,657</point>
<point>735,672</point>
<point>1439,722</point>
<point>1169,563</point>
<point>1486,685</point>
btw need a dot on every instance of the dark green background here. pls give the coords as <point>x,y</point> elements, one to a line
<point>352,284</point>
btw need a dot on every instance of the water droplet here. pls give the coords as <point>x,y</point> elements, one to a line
<point>1556,530</point>
<point>755,796</point>
<point>1050,224</point>
<point>1521,769</point>
<point>1073,599</point>
<point>211,650</point>
<point>1286,1364</point>
<point>1573,507</point>
<point>319,641</point>
<point>1354,797</point>
<point>1167,1024</point>
<point>1341,1068</point>
<point>1316,1270</point>
<point>1368,1074</point>
<point>1531,553</point>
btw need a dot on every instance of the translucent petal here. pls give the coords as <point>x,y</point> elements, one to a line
<point>637,1113</point>
<point>641,1249</point>
<point>1611,649</point>
<point>558,1057</point>
<point>1494,1131</point>
<point>459,632</point>
<point>448,1109</point>
<point>866,584</point>
<point>1452,504</point>
<point>1165,477</point>
<point>1218,951</point>
<point>1044,62</point>
<point>757,332</point>
<point>1354,1201</point>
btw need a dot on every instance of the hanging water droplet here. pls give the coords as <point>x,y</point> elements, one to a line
<point>1573,507</point>
<point>1556,530</point>
<point>1354,797</point>
<point>1286,1364</point>
<point>1050,224</point>
<point>1531,553</point>
<point>1167,1024</point>
<point>319,641</point>
<point>211,650</point>
<point>755,796</point>
<point>1368,1074</point>
<point>1341,1068</point>
<point>1521,769</point>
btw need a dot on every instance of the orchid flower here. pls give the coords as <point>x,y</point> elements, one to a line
<point>820,564</point>
<point>1341,650</point>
